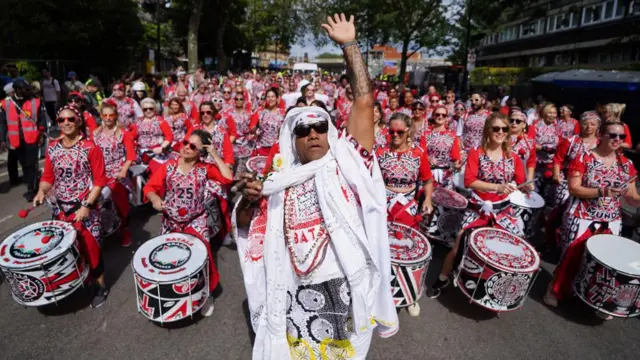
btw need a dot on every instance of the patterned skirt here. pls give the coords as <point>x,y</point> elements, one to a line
<point>403,208</point>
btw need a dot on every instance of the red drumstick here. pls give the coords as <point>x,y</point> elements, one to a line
<point>25,212</point>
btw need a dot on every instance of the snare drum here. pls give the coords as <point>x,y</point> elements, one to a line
<point>257,164</point>
<point>527,209</point>
<point>609,279</point>
<point>446,220</point>
<point>497,270</point>
<point>109,216</point>
<point>171,274</point>
<point>42,263</point>
<point>410,256</point>
<point>138,177</point>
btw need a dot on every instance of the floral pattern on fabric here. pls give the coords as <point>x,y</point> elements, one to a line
<point>473,124</point>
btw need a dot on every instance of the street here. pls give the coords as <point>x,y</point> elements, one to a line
<point>447,328</point>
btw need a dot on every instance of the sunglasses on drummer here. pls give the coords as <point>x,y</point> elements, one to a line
<point>614,136</point>
<point>148,109</point>
<point>206,112</point>
<point>301,131</point>
<point>190,145</point>
<point>397,132</point>
<point>71,119</point>
<point>439,115</point>
<point>516,121</point>
<point>496,129</point>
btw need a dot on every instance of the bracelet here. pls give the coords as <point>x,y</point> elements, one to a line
<point>348,43</point>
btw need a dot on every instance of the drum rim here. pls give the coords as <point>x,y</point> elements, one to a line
<point>520,193</point>
<point>36,265</point>
<point>249,167</point>
<point>607,265</point>
<point>136,260</point>
<point>411,262</point>
<point>167,282</point>
<point>530,269</point>
<point>454,194</point>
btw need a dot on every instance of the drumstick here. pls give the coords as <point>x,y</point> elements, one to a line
<point>633,178</point>
<point>25,212</point>
<point>527,183</point>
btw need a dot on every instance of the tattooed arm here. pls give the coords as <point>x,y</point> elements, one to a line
<point>360,124</point>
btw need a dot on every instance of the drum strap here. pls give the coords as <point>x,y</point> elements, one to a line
<point>183,223</point>
<point>75,205</point>
<point>497,207</point>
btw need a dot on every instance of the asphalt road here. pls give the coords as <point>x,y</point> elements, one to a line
<point>448,328</point>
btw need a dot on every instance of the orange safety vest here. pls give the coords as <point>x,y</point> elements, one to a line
<point>28,117</point>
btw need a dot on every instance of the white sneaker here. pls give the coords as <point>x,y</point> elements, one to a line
<point>207,308</point>
<point>414,309</point>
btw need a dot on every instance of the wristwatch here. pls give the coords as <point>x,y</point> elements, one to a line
<point>349,43</point>
<point>86,204</point>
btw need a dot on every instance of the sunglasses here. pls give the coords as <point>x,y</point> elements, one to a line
<point>614,136</point>
<point>109,116</point>
<point>304,130</point>
<point>206,112</point>
<point>148,109</point>
<point>459,109</point>
<point>516,121</point>
<point>496,129</point>
<point>190,145</point>
<point>226,92</point>
<point>397,132</point>
<point>61,120</point>
<point>239,99</point>
<point>439,115</point>
<point>418,109</point>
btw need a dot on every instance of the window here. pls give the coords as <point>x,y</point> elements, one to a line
<point>532,28</point>
<point>605,11</point>
<point>562,22</point>
<point>634,8</point>
<point>508,34</point>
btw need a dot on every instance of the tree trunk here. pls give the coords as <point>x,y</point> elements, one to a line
<point>192,36</point>
<point>222,57</point>
<point>403,60</point>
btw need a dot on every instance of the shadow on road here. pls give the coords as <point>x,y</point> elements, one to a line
<point>247,318</point>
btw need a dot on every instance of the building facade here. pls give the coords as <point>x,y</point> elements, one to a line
<point>594,33</point>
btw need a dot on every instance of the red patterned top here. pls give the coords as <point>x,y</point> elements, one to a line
<point>197,98</point>
<point>269,123</point>
<point>126,111</point>
<point>73,171</point>
<point>481,167</point>
<point>472,126</point>
<point>568,150</point>
<point>116,149</point>
<point>567,129</point>
<point>180,125</point>
<point>220,139</point>
<point>443,147</point>
<point>344,109</point>
<point>404,169</point>
<point>525,149</point>
<point>184,194</point>
<point>596,175</point>
<point>382,138</point>
<point>243,145</point>
<point>150,133</point>
<point>545,135</point>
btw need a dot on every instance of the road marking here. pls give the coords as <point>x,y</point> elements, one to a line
<point>6,218</point>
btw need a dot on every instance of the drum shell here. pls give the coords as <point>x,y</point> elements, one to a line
<point>68,271</point>
<point>408,265</point>
<point>175,300</point>
<point>444,224</point>
<point>528,218</point>
<point>109,217</point>
<point>492,287</point>
<point>606,289</point>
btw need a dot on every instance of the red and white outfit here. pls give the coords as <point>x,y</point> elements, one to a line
<point>220,140</point>
<point>382,137</point>
<point>443,148</point>
<point>245,142</point>
<point>344,110</point>
<point>404,170</point>
<point>128,111</point>
<point>568,128</point>
<point>523,147</point>
<point>268,123</point>
<point>405,110</point>
<point>587,217</point>
<point>491,208</point>
<point>180,126</point>
<point>198,98</point>
<point>568,150</point>
<point>73,172</point>
<point>470,128</point>
<point>184,198</point>
<point>117,149</point>
<point>546,136</point>
<point>150,133</point>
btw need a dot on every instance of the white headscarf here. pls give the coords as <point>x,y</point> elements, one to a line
<point>361,247</point>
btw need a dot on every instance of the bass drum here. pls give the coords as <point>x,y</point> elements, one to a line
<point>410,256</point>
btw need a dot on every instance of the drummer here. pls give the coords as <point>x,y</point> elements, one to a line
<point>521,145</point>
<point>597,180</point>
<point>381,131</point>
<point>151,132</point>
<point>74,174</point>
<point>178,120</point>
<point>443,147</point>
<point>405,170</point>
<point>266,124</point>
<point>544,132</point>
<point>178,189</point>
<point>492,172</point>
<point>568,150</point>
<point>119,153</point>
<point>211,122</point>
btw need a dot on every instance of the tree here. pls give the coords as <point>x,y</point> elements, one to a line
<point>192,36</point>
<point>329,56</point>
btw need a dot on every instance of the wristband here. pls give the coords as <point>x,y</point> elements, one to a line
<point>348,43</point>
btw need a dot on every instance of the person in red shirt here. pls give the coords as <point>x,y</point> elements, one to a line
<point>189,107</point>
<point>74,173</point>
<point>544,132</point>
<point>381,129</point>
<point>179,190</point>
<point>220,133</point>
<point>77,99</point>
<point>344,107</point>
<point>567,125</point>
<point>178,120</point>
<point>151,132</point>
<point>612,112</point>
<point>443,147</point>
<point>597,180</point>
<point>419,120</point>
<point>119,153</point>
<point>266,124</point>
<point>521,145</point>
<point>241,138</point>
<point>490,173</point>
<point>407,107</point>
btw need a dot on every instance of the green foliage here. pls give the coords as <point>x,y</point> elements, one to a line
<point>329,56</point>
<point>28,71</point>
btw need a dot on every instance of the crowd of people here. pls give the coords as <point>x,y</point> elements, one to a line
<point>336,148</point>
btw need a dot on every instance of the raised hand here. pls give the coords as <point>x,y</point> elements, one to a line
<point>339,29</point>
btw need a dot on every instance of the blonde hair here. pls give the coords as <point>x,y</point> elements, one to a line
<point>149,101</point>
<point>616,110</point>
<point>114,108</point>
<point>546,106</point>
<point>407,121</point>
<point>487,130</point>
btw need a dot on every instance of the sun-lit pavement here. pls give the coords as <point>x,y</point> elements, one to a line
<point>448,328</point>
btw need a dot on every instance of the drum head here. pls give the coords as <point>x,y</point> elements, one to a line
<point>257,164</point>
<point>408,246</point>
<point>36,244</point>
<point>616,252</point>
<point>504,250</point>
<point>169,257</point>
<point>532,201</point>
<point>449,199</point>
